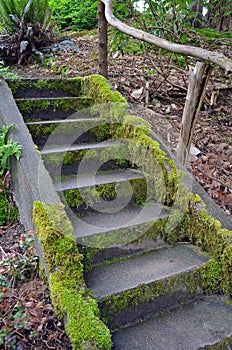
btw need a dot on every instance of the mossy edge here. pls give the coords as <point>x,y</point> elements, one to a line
<point>69,295</point>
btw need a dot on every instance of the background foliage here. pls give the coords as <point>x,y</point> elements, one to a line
<point>76,15</point>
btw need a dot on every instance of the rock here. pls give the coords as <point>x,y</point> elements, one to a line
<point>136,94</point>
<point>194,151</point>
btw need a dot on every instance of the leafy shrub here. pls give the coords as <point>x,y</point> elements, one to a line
<point>4,72</point>
<point>77,15</point>
<point>8,148</point>
<point>8,212</point>
<point>29,24</point>
<point>15,14</point>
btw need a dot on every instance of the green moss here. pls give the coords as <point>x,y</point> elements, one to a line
<point>68,292</point>
<point>70,104</point>
<point>227,270</point>
<point>145,153</point>
<point>138,122</point>
<point>88,196</point>
<point>8,212</point>
<point>211,276</point>
<point>223,345</point>
<point>109,104</point>
<point>96,87</point>
<point>72,85</point>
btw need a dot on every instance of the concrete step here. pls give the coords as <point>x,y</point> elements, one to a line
<point>100,191</point>
<point>91,180</point>
<point>203,324</point>
<point>114,226</point>
<point>79,147</point>
<point>79,159</point>
<point>40,109</point>
<point>32,87</point>
<point>66,131</point>
<point>147,284</point>
<point>98,257</point>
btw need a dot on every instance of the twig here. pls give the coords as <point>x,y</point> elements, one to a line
<point>214,179</point>
<point>228,173</point>
<point>3,251</point>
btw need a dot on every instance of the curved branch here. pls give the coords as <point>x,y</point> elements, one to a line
<point>186,50</point>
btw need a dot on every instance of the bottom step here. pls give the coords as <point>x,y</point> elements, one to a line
<point>201,325</point>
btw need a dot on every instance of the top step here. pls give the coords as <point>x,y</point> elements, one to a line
<point>34,88</point>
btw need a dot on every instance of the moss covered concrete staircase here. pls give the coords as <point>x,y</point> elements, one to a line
<point>122,193</point>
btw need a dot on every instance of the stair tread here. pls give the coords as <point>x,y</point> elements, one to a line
<point>115,220</point>
<point>207,321</point>
<point>80,147</point>
<point>89,180</point>
<point>129,274</point>
<point>61,121</point>
<point>54,98</point>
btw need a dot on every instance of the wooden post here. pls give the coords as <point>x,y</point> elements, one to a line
<point>198,80</point>
<point>102,41</point>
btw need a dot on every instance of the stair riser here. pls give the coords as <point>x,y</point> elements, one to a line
<point>68,134</point>
<point>91,197</point>
<point>68,163</point>
<point>48,109</point>
<point>96,257</point>
<point>32,88</point>
<point>139,304</point>
<point>104,248</point>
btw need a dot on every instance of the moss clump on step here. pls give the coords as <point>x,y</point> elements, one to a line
<point>109,104</point>
<point>68,292</point>
<point>97,87</point>
<point>227,269</point>
<point>145,153</point>
<point>134,192</point>
<point>199,228</point>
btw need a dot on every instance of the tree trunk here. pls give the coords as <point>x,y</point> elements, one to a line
<point>102,41</point>
<point>197,9</point>
<point>219,15</point>
<point>198,80</point>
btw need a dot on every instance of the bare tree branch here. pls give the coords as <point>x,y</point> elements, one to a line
<point>186,50</point>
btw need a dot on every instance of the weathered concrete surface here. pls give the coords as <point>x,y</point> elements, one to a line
<point>191,327</point>
<point>145,269</point>
<point>112,221</point>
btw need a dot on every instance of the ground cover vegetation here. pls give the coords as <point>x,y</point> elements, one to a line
<point>153,81</point>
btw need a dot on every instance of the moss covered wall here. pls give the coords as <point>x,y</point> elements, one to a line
<point>69,295</point>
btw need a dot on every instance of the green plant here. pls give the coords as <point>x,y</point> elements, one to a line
<point>8,212</point>
<point>17,265</point>
<point>8,148</point>
<point>21,263</point>
<point>78,15</point>
<point>4,72</point>
<point>29,23</point>
<point>16,15</point>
